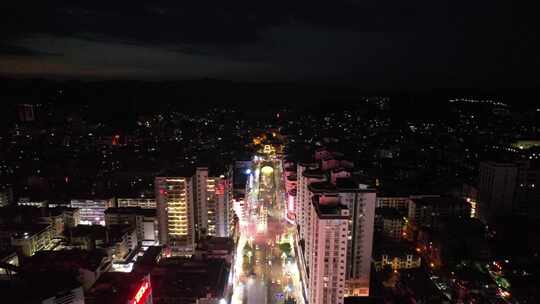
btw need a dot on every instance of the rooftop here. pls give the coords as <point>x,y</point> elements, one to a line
<point>329,210</point>
<point>216,243</point>
<point>40,285</point>
<point>48,260</point>
<point>95,231</point>
<point>23,230</point>
<point>150,257</point>
<point>117,232</point>
<point>349,184</point>
<point>114,287</point>
<point>189,279</point>
<point>28,214</point>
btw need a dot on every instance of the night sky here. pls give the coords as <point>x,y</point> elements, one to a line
<point>371,43</point>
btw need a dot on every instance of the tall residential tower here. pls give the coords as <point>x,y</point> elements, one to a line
<point>192,206</point>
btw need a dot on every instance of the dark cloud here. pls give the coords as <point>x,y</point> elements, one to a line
<point>242,21</point>
<point>14,50</point>
<point>376,42</point>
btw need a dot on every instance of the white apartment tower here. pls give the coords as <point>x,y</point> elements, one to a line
<point>360,202</point>
<point>328,239</point>
<point>306,174</point>
<point>330,182</point>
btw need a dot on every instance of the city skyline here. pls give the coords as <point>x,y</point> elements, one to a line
<point>210,152</point>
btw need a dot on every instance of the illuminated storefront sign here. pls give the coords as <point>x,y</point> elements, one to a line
<point>142,293</point>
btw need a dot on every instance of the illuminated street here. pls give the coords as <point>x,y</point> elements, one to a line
<point>266,270</point>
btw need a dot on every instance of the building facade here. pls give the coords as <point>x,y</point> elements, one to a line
<point>144,221</point>
<point>397,262</point>
<point>497,185</point>
<point>192,207</point>
<point>329,180</point>
<point>30,239</point>
<point>328,239</point>
<point>147,203</point>
<point>92,211</point>
<point>6,196</point>
<point>174,201</point>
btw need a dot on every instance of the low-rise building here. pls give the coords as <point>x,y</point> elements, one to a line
<point>425,211</point>
<point>144,221</point>
<point>9,262</point>
<point>88,265</point>
<point>452,241</point>
<point>149,259</point>
<point>27,201</point>
<point>122,239</point>
<point>52,287</point>
<point>87,237</point>
<point>58,218</point>
<point>141,202</point>
<point>92,211</point>
<point>30,239</point>
<point>72,216</point>
<point>390,222</point>
<point>395,202</point>
<point>120,287</point>
<point>188,280</point>
<point>216,248</point>
<point>395,255</point>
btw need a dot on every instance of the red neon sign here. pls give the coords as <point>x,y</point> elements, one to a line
<point>141,292</point>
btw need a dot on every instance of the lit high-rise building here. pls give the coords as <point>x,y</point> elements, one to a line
<point>329,180</point>
<point>174,200</point>
<point>143,219</point>
<point>306,174</point>
<point>328,239</point>
<point>193,206</point>
<point>360,201</point>
<point>212,195</point>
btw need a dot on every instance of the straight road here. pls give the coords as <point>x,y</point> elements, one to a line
<point>271,276</point>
